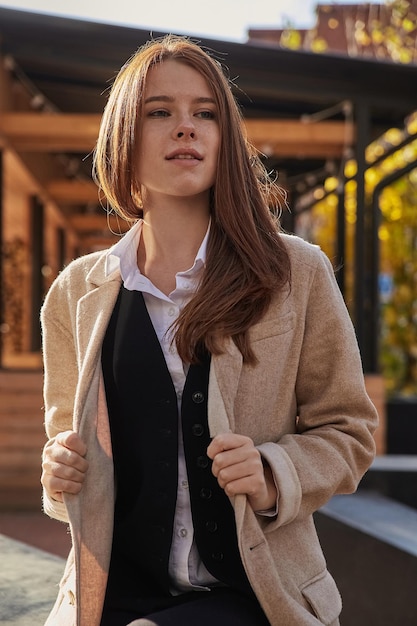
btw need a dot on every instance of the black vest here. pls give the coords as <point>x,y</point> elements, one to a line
<point>143,415</point>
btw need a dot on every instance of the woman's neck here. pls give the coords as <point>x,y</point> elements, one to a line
<point>169,243</point>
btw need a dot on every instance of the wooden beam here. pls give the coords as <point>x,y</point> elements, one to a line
<point>65,132</point>
<point>50,132</point>
<point>294,138</point>
<point>90,243</point>
<point>94,222</point>
<point>6,100</point>
<point>73,191</point>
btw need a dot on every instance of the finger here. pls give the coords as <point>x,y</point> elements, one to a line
<point>56,486</point>
<point>248,485</point>
<point>248,470</point>
<point>56,453</point>
<point>226,441</point>
<point>62,457</point>
<point>57,478</point>
<point>71,440</point>
<point>62,471</point>
<point>246,454</point>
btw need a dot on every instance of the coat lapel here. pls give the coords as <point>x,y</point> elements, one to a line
<point>93,313</point>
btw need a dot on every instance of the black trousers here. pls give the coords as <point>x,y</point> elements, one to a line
<point>218,607</point>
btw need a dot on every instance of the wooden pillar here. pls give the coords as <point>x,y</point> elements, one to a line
<point>2,303</point>
<point>37,240</point>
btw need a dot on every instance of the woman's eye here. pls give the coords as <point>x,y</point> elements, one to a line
<point>207,115</point>
<point>159,113</point>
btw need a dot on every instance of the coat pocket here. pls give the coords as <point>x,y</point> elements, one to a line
<point>323,596</point>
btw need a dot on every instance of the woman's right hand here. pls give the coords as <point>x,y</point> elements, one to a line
<point>64,465</point>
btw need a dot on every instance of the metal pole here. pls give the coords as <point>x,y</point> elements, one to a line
<point>341,236</point>
<point>360,292</point>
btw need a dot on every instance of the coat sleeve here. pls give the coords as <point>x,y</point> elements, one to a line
<point>333,444</point>
<point>60,373</point>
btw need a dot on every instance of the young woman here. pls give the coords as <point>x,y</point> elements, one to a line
<point>203,387</point>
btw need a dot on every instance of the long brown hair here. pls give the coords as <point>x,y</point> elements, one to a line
<point>246,258</point>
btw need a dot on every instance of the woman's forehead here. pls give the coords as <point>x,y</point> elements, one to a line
<point>175,77</point>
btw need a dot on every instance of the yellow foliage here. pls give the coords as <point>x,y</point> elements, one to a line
<point>351,168</point>
<point>331,183</point>
<point>398,251</point>
<point>291,39</point>
<point>408,25</point>
<point>319,45</point>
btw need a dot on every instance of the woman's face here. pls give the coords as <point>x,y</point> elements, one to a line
<point>179,135</point>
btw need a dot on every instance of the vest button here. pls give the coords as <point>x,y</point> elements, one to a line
<point>165,432</point>
<point>197,430</point>
<point>211,527</point>
<point>198,397</point>
<point>205,493</point>
<point>217,556</point>
<point>202,462</point>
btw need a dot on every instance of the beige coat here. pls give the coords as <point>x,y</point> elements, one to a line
<point>304,405</point>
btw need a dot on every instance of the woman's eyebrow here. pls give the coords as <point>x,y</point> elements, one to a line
<point>201,100</point>
<point>159,99</point>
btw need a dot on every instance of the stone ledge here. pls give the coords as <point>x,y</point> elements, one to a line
<point>370,544</point>
<point>28,583</point>
<point>393,476</point>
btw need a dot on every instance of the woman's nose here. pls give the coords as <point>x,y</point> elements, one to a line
<point>181,133</point>
<point>185,128</point>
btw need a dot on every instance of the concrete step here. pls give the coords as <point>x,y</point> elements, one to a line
<point>28,582</point>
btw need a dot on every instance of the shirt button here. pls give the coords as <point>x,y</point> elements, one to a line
<point>184,484</point>
<point>198,397</point>
<point>171,311</point>
<point>183,532</point>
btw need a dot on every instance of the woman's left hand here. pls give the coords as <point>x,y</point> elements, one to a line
<point>238,467</point>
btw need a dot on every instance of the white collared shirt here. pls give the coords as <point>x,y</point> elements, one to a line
<point>186,569</point>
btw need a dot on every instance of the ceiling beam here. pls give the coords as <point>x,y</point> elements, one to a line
<point>89,243</point>
<point>67,192</point>
<point>96,223</point>
<point>50,132</point>
<point>296,138</point>
<point>6,98</point>
<point>65,132</point>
